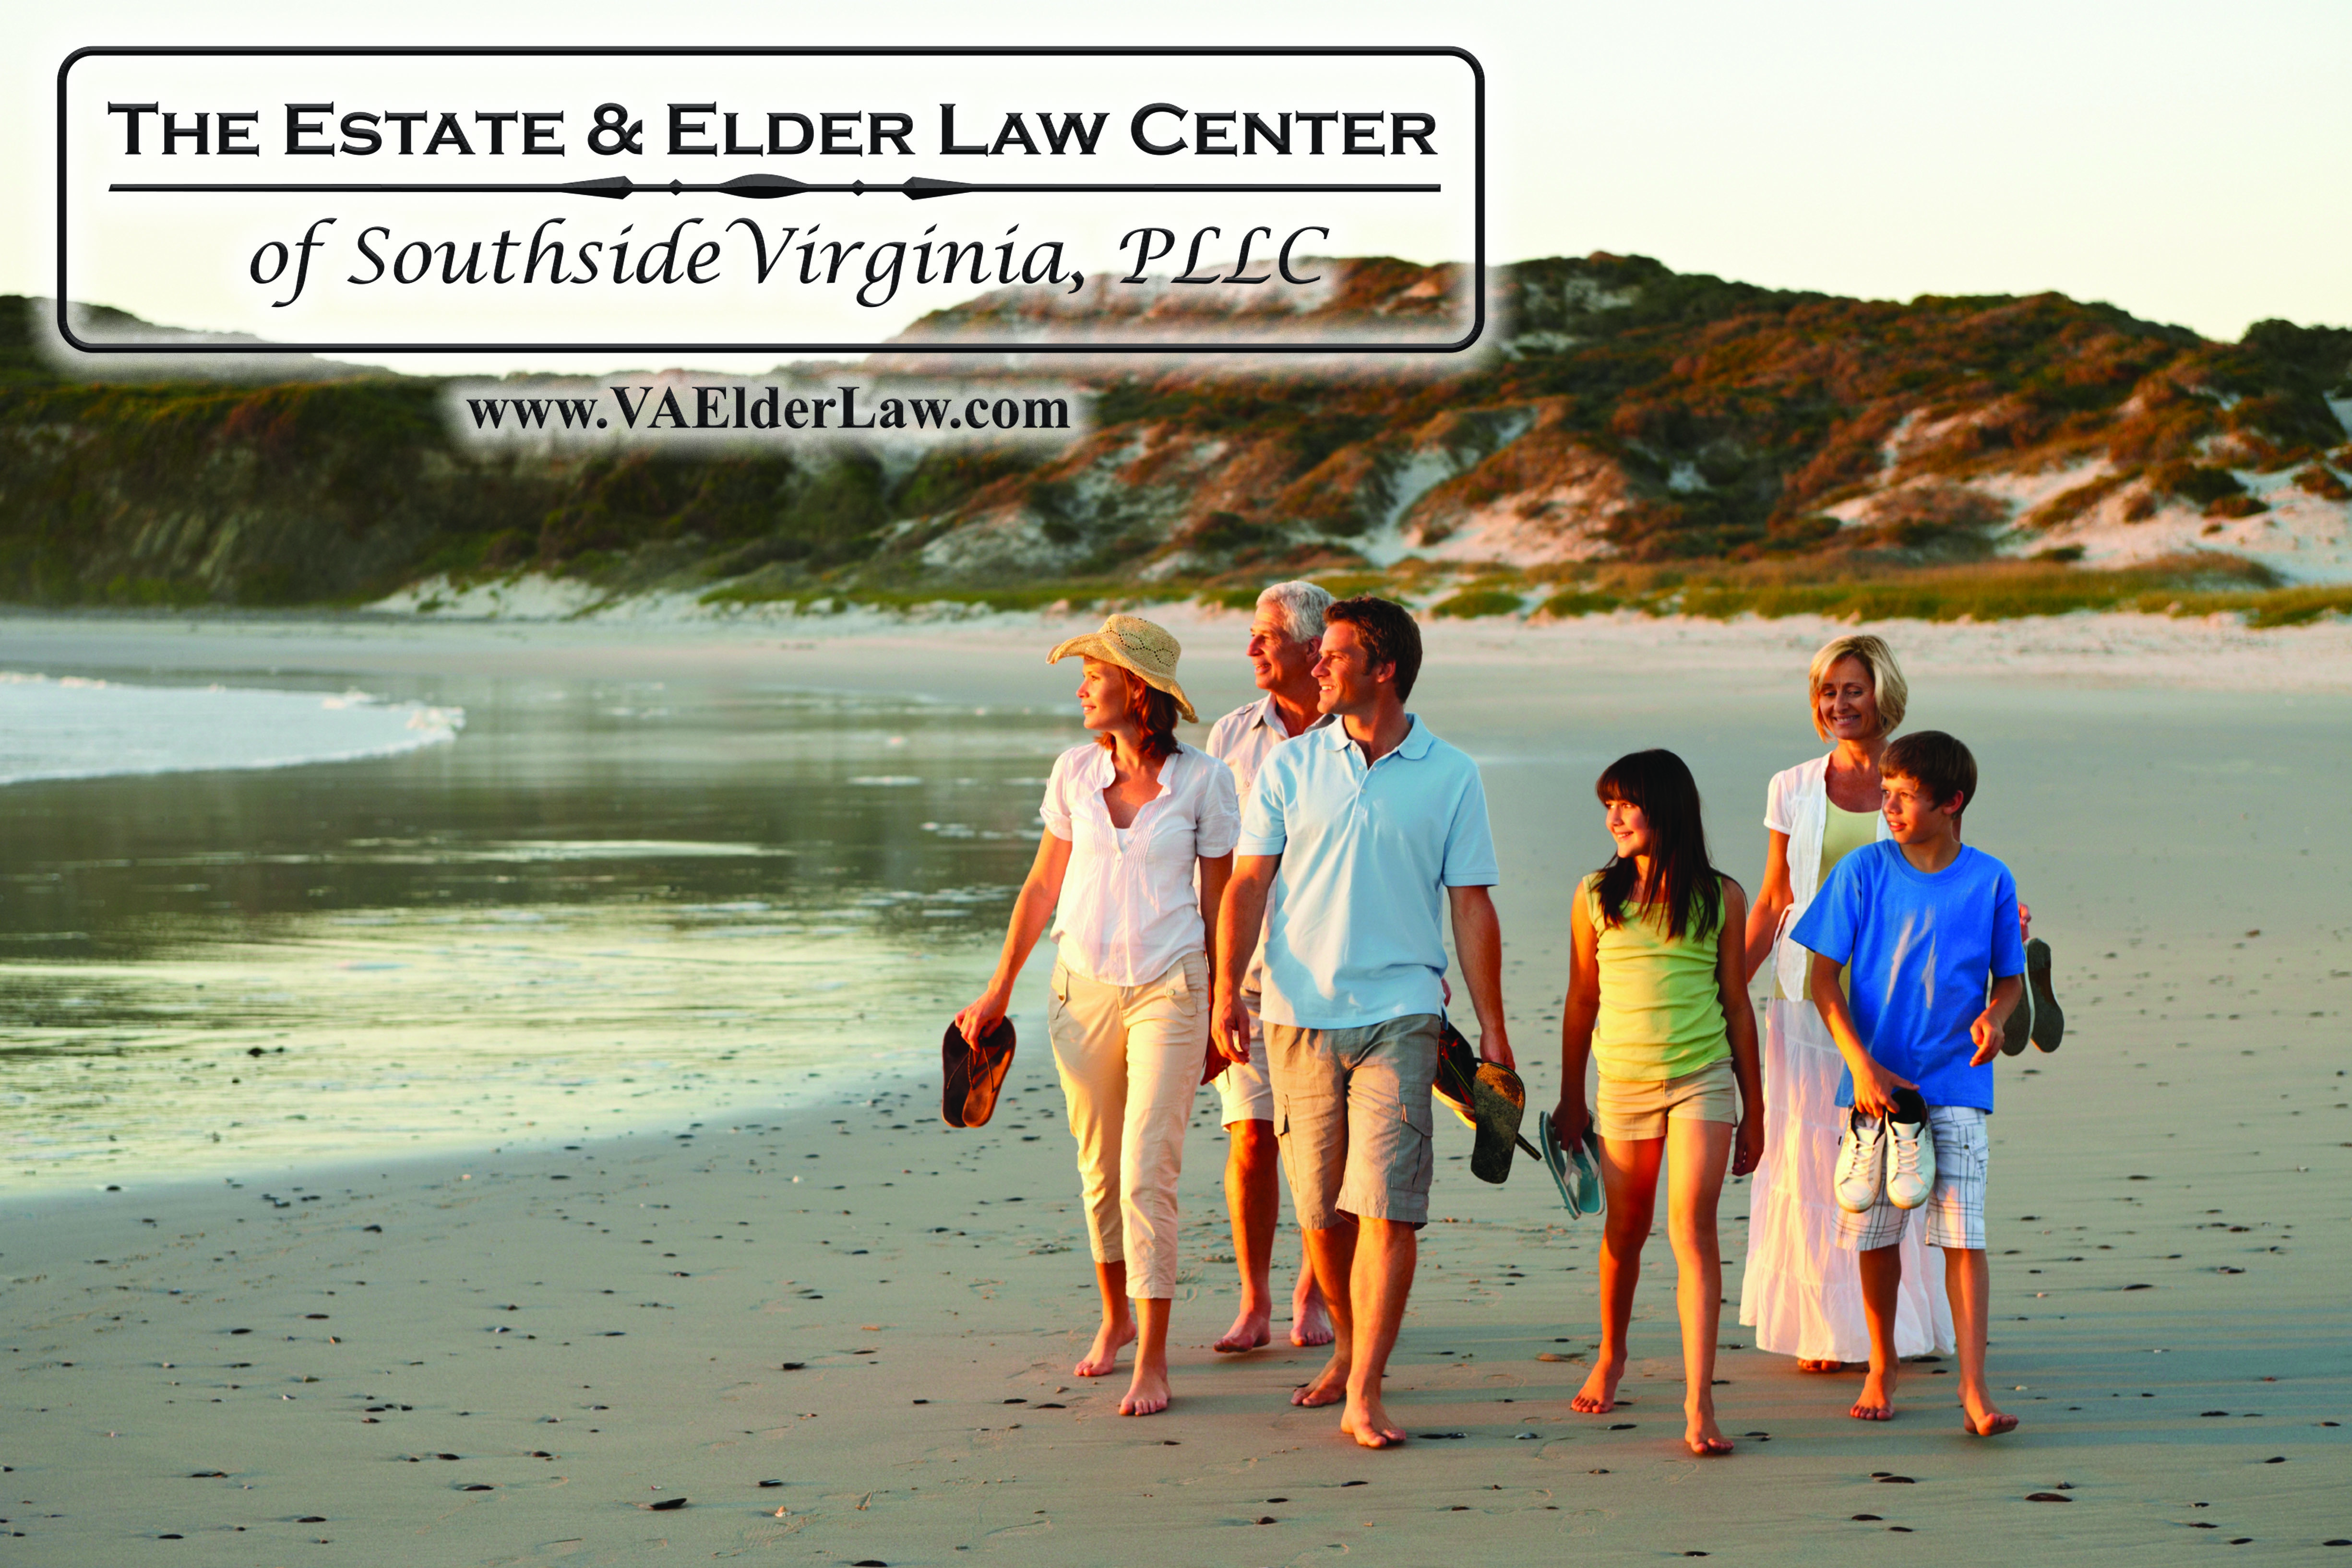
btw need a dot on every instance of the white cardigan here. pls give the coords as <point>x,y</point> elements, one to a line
<point>1797,803</point>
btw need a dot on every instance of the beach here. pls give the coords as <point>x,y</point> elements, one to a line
<point>508,1350</point>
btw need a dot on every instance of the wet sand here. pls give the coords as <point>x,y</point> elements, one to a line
<point>588,1330</point>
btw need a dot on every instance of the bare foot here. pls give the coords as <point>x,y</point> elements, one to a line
<point>1877,1400</point>
<point>1330,1386</point>
<point>1148,1394</point>
<point>1102,1356</point>
<point>1598,1395</point>
<point>1811,1366</point>
<point>1986,1422</point>
<point>1368,1424</point>
<point>1250,1331</point>
<point>1311,1325</point>
<point>1704,1438</point>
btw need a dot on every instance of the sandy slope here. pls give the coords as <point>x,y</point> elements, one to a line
<point>2193,1139</point>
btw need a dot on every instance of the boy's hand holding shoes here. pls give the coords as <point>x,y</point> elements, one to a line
<point>1874,1086</point>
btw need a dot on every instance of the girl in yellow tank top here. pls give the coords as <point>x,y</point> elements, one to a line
<point>1657,998</point>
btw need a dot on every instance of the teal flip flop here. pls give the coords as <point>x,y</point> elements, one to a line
<point>1555,1159</point>
<point>1592,1195</point>
<point>1576,1173</point>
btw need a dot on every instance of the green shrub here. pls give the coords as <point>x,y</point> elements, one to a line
<point>948,476</point>
<point>1473,604</point>
<point>2201,483</point>
<point>1578,601</point>
<point>1228,531</point>
<point>1348,584</point>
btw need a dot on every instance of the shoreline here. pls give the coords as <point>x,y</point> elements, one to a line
<point>2109,648</point>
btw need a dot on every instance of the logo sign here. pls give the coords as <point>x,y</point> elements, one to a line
<point>772,200</point>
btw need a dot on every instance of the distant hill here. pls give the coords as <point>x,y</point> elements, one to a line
<point>1625,413</point>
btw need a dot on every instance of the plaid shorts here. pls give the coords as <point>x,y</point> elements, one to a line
<point>1955,1206</point>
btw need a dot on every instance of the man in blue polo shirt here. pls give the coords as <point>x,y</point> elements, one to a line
<point>1361,834</point>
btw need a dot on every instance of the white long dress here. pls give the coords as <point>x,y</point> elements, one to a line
<point>1800,1290</point>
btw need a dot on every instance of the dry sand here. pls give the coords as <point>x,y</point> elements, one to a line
<point>586,1331</point>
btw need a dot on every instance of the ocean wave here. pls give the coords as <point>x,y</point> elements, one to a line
<point>71,728</point>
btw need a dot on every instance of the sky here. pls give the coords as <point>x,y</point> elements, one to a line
<point>2183,162</point>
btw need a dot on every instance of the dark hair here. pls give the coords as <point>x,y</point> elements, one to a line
<point>1389,634</point>
<point>1155,709</point>
<point>1937,761</point>
<point>1682,879</point>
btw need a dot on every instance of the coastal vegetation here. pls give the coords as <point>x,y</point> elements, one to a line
<point>1636,440</point>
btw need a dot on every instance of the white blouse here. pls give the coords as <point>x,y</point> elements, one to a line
<point>1130,911</point>
<point>1797,803</point>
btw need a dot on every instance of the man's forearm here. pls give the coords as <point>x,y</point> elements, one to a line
<point>1239,920</point>
<point>1479,942</point>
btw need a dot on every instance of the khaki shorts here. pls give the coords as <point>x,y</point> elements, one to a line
<point>1640,1108</point>
<point>1246,1092</point>
<point>1352,1107</point>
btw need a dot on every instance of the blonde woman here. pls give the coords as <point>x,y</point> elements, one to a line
<point>1139,842</point>
<point>1800,1294</point>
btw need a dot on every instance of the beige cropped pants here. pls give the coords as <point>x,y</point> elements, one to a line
<point>1130,1058</point>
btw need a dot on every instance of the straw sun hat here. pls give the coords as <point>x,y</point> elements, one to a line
<point>1134,644</point>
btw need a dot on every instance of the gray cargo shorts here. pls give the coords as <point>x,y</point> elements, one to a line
<point>1352,1107</point>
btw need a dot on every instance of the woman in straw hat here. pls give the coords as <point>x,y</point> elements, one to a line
<point>1139,841</point>
<point>1798,1292</point>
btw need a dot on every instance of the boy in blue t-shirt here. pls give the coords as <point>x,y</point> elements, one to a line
<point>1920,922</point>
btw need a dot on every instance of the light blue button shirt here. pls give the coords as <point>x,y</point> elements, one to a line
<point>1355,932</point>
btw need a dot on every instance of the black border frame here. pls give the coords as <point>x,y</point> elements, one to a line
<point>1478,199</point>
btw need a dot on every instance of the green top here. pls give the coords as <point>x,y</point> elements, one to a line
<point>1661,1011</point>
<point>1843,833</point>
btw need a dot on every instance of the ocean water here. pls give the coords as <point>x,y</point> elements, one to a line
<point>289,923</point>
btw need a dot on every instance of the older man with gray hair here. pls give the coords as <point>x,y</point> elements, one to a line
<point>1284,637</point>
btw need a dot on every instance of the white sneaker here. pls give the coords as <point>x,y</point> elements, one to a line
<point>1910,1163</point>
<point>1861,1163</point>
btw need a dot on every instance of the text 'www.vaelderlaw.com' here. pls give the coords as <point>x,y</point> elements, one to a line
<point>735,407</point>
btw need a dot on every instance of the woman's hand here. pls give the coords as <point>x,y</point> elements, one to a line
<point>975,1022</point>
<point>1748,1144</point>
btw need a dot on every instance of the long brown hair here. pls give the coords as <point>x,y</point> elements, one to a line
<point>1683,885</point>
<point>1157,711</point>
